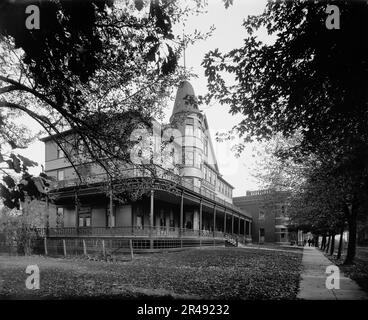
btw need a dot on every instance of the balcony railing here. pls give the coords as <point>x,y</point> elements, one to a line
<point>141,173</point>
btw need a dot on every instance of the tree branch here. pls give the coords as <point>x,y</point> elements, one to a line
<point>7,89</point>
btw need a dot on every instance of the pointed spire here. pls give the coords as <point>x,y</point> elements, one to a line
<point>184,47</point>
<point>185,99</point>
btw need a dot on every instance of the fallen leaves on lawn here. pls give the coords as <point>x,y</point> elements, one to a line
<point>214,273</point>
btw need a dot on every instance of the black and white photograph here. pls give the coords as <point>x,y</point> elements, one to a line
<point>179,157</point>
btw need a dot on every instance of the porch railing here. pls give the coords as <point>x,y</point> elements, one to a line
<point>129,231</point>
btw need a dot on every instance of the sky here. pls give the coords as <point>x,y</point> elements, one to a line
<point>228,35</point>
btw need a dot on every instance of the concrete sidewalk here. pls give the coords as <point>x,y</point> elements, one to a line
<point>313,281</point>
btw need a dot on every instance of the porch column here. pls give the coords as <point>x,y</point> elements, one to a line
<point>200,217</point>
<point>214,220</point>
<point>245,229</point>
<point>239,225</point>
<point>111,208</point>
<point>76,209</point>
<point>232,224</point>
<point>151,218</point>
<point>181,213</point>
<point>225,221</point>
<point>47,215</point>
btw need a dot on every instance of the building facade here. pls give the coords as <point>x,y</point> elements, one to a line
<point>193,203</point>
<point>269,215</point>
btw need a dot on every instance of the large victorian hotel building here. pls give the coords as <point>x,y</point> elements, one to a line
<point>193,206</point>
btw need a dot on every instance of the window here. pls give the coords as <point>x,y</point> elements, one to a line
<point>189,130</point>
<point>59,152</point>
<point>173,155</point>
<point>197,183</point>
<point>198,160</point>
<point>205,147</point>
<point>85,220</point>
<point>59,217</point>
<point>283,210</point>
<point>261,215</point>
<point>139,222</point>
<point>261,232</point>
<point>197,132</point>
<point>108,216</point>
<point>282,235</point>
<point>188,157</point>
<point>60,175</point>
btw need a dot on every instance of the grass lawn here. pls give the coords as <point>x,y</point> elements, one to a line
<point>359,270</point>
<point>213,273</point>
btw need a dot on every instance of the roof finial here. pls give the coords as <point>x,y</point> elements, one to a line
<point>184,58</point>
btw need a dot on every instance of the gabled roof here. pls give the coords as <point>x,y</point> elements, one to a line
<point>212,149</point>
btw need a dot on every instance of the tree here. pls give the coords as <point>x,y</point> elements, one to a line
<point>21,228</point>
<point>24,196</point>
<point>92,67</point>
<point>308,79</point>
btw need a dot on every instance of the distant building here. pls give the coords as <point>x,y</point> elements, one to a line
<point>196,206</point>
<point>269,215</point>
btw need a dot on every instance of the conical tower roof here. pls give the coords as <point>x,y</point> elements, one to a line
<point>185,100</point>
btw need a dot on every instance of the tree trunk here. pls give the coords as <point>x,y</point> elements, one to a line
<point>340,243</point>
<point>352,238</point>
<point>332,249</point>
<point>323,242</point>
<point>328,243</point>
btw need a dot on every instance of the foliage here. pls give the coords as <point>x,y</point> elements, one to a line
<point>307,80</point>
<point>119,59</point>
<point>291,83</point>
<point>97,69</point>
<point>22,227</point>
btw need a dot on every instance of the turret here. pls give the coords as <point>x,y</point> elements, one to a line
<point>188,119</point>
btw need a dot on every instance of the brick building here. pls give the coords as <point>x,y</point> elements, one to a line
<point>269,215</point>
